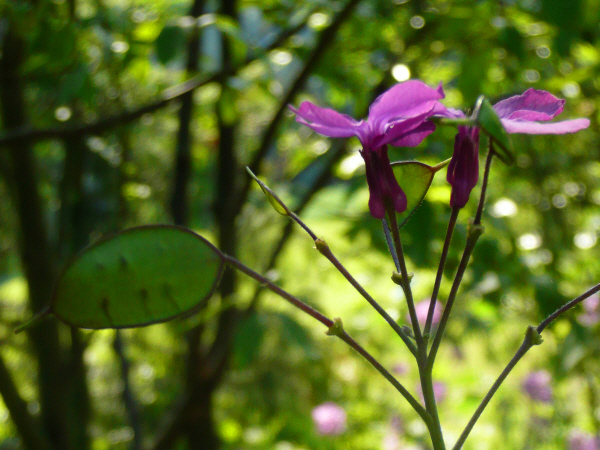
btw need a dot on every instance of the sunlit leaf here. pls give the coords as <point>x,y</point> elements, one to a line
<point>487,119</point>
<point>137,277</point>
<point>414,178</point>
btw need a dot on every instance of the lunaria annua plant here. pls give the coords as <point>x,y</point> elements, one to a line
<point>150,274</point>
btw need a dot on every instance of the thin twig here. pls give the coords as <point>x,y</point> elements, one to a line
<point>525,346</point>
<point>440,271</point>
<point>391,214</point>
<point>28,134</point>
<point>332,325</point>
<point>326,251</point>
<point>390,243</point>
<point>486,174</point>
<point>413,402</point>
<point>532,337</point>
<point>27,426</point>
<point>552,317</point>
<point>475,231</point>
<point>273,287</point>
<point>326,38</point>
<point>337,153</point>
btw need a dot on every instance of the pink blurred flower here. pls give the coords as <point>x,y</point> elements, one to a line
<point>579,440</point>
<point>330,419</point>
<point>591,311</point>
<point>400,368</point>
<point>422,308</point>
<point>391,440</point>
<point>537,386</point>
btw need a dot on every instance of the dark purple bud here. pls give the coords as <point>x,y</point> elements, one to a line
<point>463,170</point>
<point>383,185</point>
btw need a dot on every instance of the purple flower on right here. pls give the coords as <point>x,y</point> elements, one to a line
<point>519,114</point>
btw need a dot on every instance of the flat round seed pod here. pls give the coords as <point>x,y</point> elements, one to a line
<point>137,277</point>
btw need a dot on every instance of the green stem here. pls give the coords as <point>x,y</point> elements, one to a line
<point>391,217</point>
<point>435,431</point>
<point>390,243</point>
<point>440,272</point>
<point>273,287</point>
<point>326,251</point>
<point>532,337</point>
<point>475,231</point>
<point>525,346</point>
<point>552,317</point>
<point>401,389</point>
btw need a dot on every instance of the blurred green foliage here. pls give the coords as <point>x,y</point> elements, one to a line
<point>542,221</point>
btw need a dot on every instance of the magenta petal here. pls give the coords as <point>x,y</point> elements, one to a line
<point>523,127</point>
<point>376,205</point>
<point>414,137</point>
<point>327,121</point>
<point>531,105</point>
<point>401,128</point>
<point>403,100</point>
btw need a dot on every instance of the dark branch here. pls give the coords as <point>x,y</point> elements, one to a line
<point>325,40</point>
<point>26,425</point>
<point>29,134</point>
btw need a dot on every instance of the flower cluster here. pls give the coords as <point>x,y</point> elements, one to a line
<point>400,117</point>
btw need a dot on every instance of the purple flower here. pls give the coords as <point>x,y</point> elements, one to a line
<point>518,114</point>
<point>397,117</point>
<point>329,418</point>
<point>463,170</point>
<point>537,386</point>
<point>591,314</point>
<point>583,441</point>
<point>521,114</point>
<point>422,309</point>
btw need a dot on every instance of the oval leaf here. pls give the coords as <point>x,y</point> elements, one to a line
<point>137,277</point>
<point>273,199</point>
<point>414,178</point>
<point>489,122</point>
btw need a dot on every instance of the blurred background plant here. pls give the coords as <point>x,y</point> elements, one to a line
<point>117,113</point>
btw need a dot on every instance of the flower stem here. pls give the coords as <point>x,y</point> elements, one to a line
<point>440,272</point>
<point>529,341</point>
<point>475,231</point>
<point>334,329</point>
<point>273,287</point>
<point>486,174</point>
<point>435,431</point>
<point>383,371</point>
<point>326,251</point>
<point>390,243</point>
<point>391,215</point>
<point>525,346</point>
<point>552,317</point>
